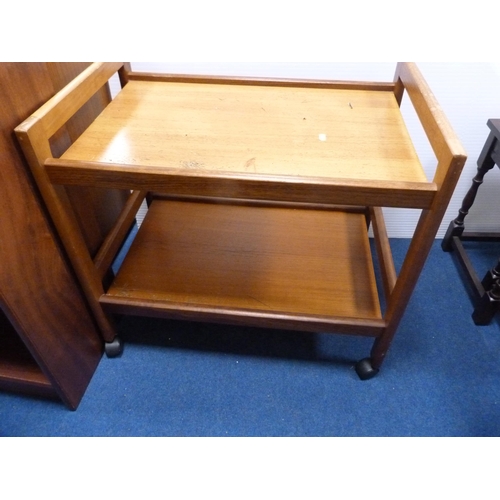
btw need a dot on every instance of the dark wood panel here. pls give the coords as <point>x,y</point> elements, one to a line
<point>18,369</point>
<point>38,293</point>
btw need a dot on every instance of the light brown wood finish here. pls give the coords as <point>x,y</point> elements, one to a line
<point>292,142</point>
<point>69,100</point>
<point>243,317</point>
<point>254,81</point>
<point>114,239</point>
<point>383,247</point>
<point>34,135</point>
<point>95,209</point>
<point>242,185</point>
<point>451,159</point>
<point>36,149</point>
<point>314,144</point>
<point>262,259</point>
<point>280,133</point>
<point>439,132</point>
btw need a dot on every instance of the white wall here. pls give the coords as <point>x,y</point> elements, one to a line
<point>469,94</point>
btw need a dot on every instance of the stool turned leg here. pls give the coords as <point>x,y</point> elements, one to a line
<point>491,276</point>
<point>456,227</point>
<point>488,305</point>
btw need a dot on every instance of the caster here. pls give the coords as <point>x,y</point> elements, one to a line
<point>365,370</point>
<point>113,349</point>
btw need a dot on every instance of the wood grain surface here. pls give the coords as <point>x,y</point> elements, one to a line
<point>48,340</point>
<point>331,133</point>
<point>285,260</point>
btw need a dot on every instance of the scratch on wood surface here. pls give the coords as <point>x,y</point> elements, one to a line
<point>192,164</point>
<point>251,164</point>
<point>259,301</point>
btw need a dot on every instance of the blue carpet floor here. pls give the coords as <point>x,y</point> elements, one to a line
<point>441,377</point>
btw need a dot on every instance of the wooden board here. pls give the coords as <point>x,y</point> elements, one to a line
<point>330,133</point>
<point>49,343</point>
<point>18,369</point>
<point>251,258</point>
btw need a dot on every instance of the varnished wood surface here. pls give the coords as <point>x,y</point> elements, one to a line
<point>96,209</point>
<point>384,253</point>
<point>38,292</point>
<point>445,143</point>
<point>242,185</point>
<point>241,263</point>
<point>18,369</point>
<point>278,260</point>
<point>34,135</point>
<point>258,81</point>
<point>252,80</point>
<point>451,158</point>
<point>328,133</point>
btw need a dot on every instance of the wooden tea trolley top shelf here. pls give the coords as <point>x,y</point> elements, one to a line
<point>261,194</point>
<point>341,145</point>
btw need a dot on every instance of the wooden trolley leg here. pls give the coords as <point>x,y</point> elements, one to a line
<point>451,159</point>
<point>413,265</point>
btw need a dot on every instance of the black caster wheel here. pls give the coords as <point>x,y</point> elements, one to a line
<point>113,349</point>
<point>365,370</point>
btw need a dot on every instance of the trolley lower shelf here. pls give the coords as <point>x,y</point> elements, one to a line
<point>252,263</point>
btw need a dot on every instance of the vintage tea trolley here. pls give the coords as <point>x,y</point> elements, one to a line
<point>261,193</point>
